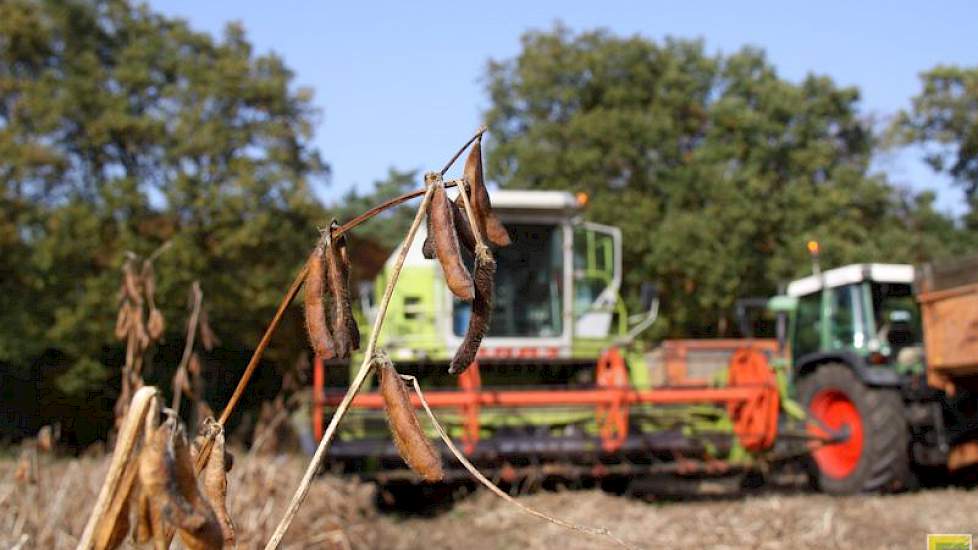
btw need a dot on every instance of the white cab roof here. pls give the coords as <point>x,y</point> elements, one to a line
<point>533,200</point>
<point>855,273</point>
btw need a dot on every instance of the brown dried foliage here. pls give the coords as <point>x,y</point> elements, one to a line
<point>485,271</point>
<point>316,326</point>
<point>414,447</point>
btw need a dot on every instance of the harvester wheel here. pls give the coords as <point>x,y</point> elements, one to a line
<point>874,457</point>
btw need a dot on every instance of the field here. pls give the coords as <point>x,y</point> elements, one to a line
<point>341,513</point>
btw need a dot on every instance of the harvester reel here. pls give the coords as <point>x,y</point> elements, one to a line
<point>755,421</point>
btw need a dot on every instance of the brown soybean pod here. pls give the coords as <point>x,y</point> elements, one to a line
<point>338,283</point>
<point>485,271</point>
<point>446,245</point>
<point>416,450</point>
<point>153,482</point>
<point>187,509</point>
<point>316,327</point>
<point>428,246</point>
<point>351,320</point>
<point>462,228</point>
<point>216,487</point>
<point>489,224</point>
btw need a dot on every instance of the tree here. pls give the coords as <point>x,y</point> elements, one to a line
<point>726,168</point>
<point>944,116</point>
<point>121,129</point>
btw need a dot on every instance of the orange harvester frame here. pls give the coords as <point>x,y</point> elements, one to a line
<point>751,399</point>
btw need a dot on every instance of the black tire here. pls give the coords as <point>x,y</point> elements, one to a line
<point>884,459</point>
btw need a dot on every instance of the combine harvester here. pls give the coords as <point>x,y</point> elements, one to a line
<point>563,389</point>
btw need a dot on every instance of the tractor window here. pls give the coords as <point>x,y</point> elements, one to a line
<point>844,320</point>
<point>896,314</point>
<point>529,285</point>
<point>807,325</point>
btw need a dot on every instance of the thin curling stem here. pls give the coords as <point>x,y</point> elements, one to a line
<point>384,206</point>
<point>479,132</point>
<point>361,376</point>
<point>595,531</point>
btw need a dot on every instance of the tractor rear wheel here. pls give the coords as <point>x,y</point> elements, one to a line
<point>875,456</point>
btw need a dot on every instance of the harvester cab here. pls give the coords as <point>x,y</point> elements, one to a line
<point>557,290</point>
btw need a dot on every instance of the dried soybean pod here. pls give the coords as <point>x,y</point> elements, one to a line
<point>144,521</point>
<point>428,246</point>
<point>351,322</point>
<point>462,228</point>
<point>316,327</point>
<point>122,323</point>
<point>446,246</point>
<point>408,436</point>
<point>186,508</point>
<point>156,324</point>
<point>489,224</point>
<point>346,335</point>
<point>153,480</point>
<point>216,487</point>
<point>485,271</point>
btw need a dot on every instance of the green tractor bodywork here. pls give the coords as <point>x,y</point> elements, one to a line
<point>857,370</point>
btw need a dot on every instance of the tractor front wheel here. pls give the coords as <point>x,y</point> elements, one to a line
<point>873,453</point>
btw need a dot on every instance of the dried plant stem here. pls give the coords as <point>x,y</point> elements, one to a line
<point>479,132</point>
<point>595,531</point>
<point>290,295</point>
<point>357,382</point>
<point>188,348</point>
<point>116,478</point>
<point>390,203</point>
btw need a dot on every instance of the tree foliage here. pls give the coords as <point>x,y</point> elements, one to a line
<point>121,129</point>
<point>944,115</point>
<point>716,169</point>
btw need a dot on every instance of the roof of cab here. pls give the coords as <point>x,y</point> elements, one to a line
<point>854,273</point>
<point>533,200</point>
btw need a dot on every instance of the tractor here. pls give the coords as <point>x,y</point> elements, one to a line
<point>563,386</point>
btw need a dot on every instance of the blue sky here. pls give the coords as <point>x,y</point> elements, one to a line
<point>400,83</point>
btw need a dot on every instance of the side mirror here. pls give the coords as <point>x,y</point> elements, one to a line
<point>649,295</point>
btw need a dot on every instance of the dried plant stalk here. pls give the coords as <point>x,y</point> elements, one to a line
<point>596,531</point>
<point>357,382</point>
<point>100,520</point>
<point>409,438</point>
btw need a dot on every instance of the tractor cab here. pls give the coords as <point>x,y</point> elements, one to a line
<point>863,315</point>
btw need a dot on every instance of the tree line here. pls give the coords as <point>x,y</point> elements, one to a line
<point>122,129</point>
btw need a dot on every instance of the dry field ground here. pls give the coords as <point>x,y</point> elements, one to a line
<point>341,513</point>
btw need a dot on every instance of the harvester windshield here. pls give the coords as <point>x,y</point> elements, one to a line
<point>529,285</point>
